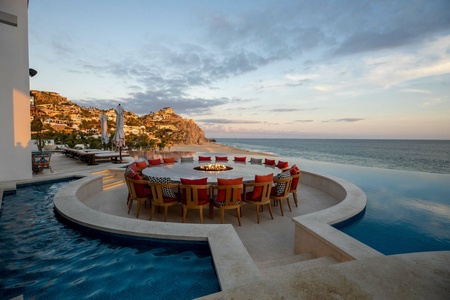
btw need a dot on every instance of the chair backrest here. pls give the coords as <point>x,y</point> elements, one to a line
<point>284,184</point>
<point>266,188</point>
<point>190,194</point>
<point>232,193</point>
<point>137,188</point>
<point>127,182</point>
<point>295,181</point>
<point>158,193</point>
<point>42,160</point>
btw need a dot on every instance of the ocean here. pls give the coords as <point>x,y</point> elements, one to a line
<point>431,156</point>
<point>407,184</point>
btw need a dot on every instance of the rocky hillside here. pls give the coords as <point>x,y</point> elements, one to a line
<point>65,115</point>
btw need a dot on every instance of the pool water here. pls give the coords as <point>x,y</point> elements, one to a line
<point>43,257</point>
<point>406,211</point>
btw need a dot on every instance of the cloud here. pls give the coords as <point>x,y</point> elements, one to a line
<point>292,109</point>
<point>393,24</point>
<point>432,102</point>
<point>144,103</point>
<point>227,121</point>
<point>350,120</point>
<point>304,121</point>
<point>235,42</point>
<point>415,91</point>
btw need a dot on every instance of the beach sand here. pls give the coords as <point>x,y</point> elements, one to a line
<point>216,148</point>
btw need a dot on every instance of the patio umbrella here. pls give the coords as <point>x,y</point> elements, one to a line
<point>104,130</point>
<point>119,135</point>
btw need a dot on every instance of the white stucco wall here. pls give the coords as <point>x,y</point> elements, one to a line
<point>15,153</point>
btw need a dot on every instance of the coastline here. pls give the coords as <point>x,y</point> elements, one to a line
<point>216,148</point>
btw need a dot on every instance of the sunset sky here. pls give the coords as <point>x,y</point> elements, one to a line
<point>261,68</point>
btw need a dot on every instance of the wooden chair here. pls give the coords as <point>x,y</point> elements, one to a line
<point>260,201</point>
<point>279,197</point>
<point>159,198</point>
<point>40,162</point>
<point>128,188</point>
<point>232,200</point>
<point>294,186</point>
<point>190,198</point>
<point>139,191</point>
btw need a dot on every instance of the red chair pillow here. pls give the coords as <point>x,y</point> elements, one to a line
<point>221,158</point>
<point>204,158</point>
<point>270,162</point>
<point>155,161</point>
<point>142,190</point>
<point>132,174</point>
<point>221,181</point>
<point>131,168</point>
<point>257,191</point>
<point>141,164</point>
<point>168,160</point>
<point>294,171</point>
<point>240,159</point>
<point>282,164</point>
<point>202,194</point>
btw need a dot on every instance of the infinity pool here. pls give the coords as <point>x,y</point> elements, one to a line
<point>47,258</point>
<point>406,211</point>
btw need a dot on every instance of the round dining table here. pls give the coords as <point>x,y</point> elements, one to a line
<point>178,170</point>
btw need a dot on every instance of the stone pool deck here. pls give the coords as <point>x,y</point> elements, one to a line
<point>273,268</point>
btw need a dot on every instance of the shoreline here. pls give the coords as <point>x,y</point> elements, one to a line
<point>216,148</point>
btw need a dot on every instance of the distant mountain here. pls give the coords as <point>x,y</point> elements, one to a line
<point>64,115</point>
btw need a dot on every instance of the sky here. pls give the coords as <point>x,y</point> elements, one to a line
<point>256,68</point>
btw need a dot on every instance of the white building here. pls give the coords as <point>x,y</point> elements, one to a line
<point>15,136</point>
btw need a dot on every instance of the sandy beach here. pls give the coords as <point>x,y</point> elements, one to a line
<point>216,148</point>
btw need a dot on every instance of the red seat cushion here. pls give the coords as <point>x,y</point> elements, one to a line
<point>257,191</point>
<point>155,161</point>
<point>221,193</point>
<point>240,159</point>
<point>168,160</point>
<point>204,158</point>
<point>270,162</point>
<point>169,200</point>
<point>141,164</point>
<point>203,193</point>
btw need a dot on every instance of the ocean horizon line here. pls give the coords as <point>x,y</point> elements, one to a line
<point>345,139</point>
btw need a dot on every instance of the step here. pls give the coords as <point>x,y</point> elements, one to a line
<point>107,178</point>
<point>102,172</point>
<point>113,183</point>
<point>287,269</point>
<point>284,261</point>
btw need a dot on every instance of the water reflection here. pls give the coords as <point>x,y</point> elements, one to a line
<point>136,154</point>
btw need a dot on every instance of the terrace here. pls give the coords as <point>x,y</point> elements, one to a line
<point>291,256</point>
